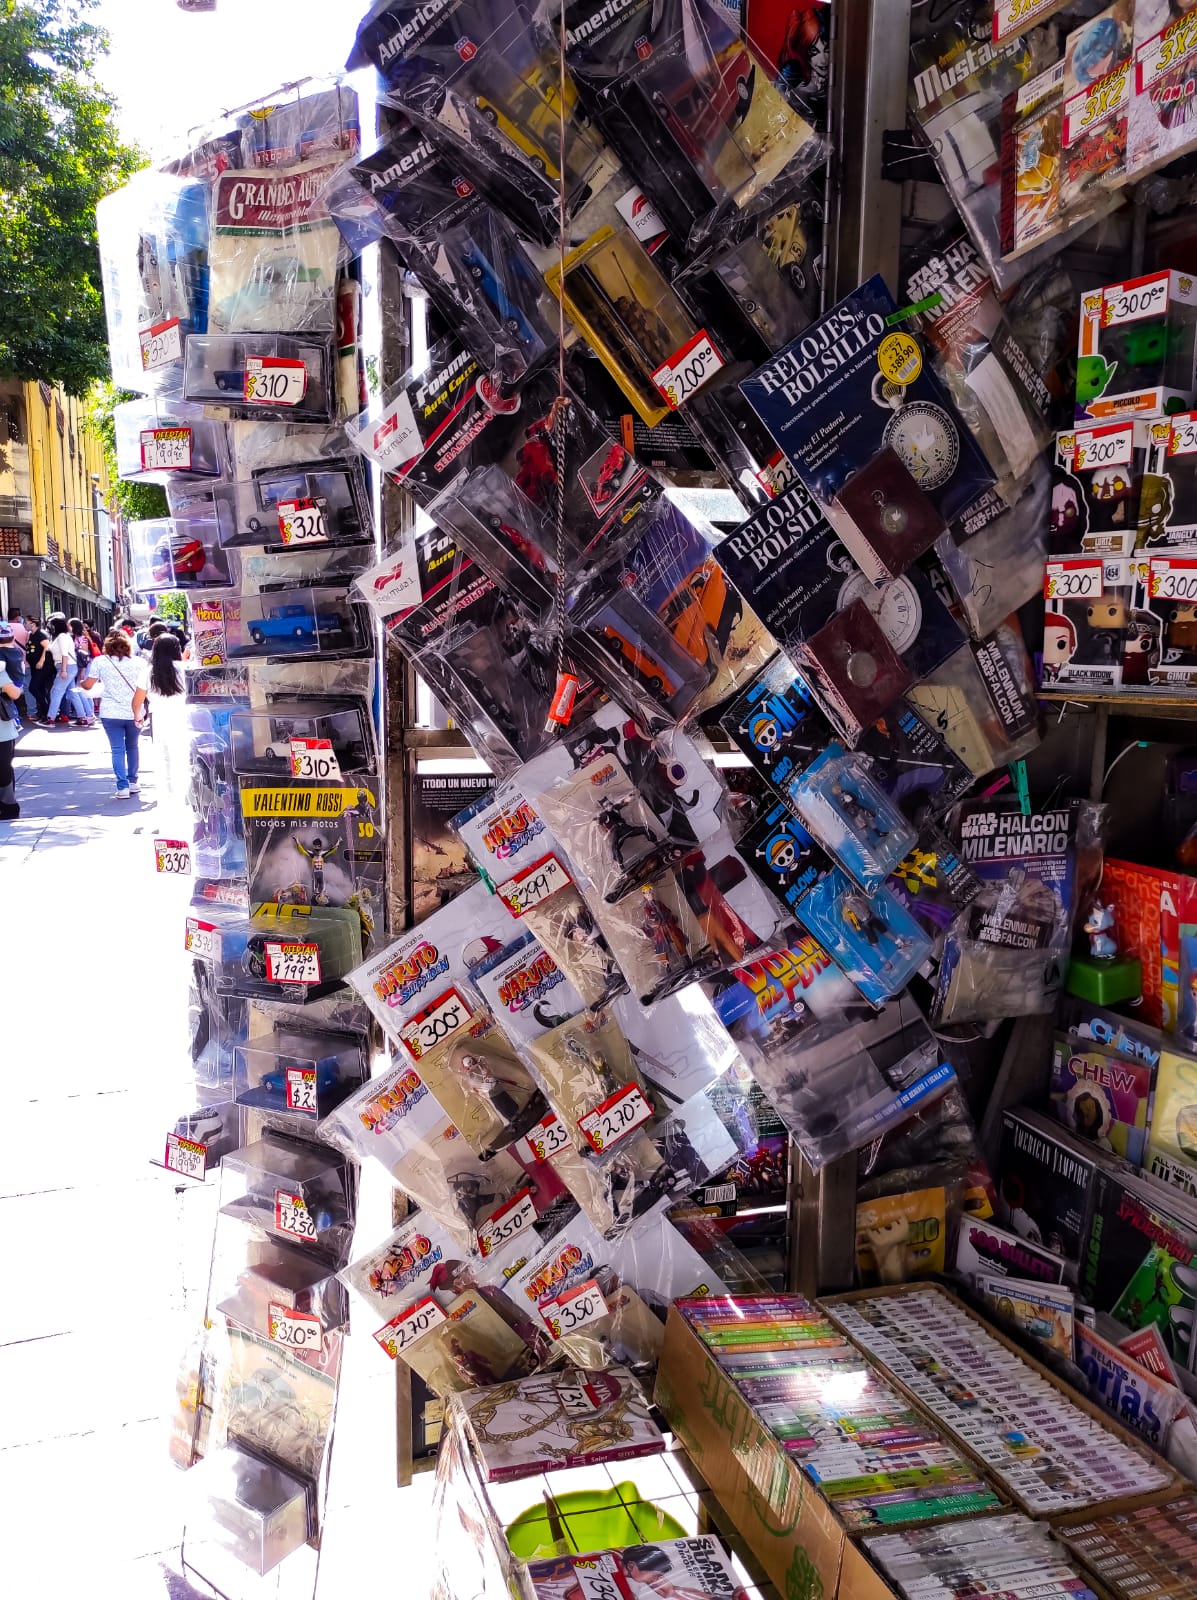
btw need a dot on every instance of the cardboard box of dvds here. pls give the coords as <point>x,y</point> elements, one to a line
<point>789,1527</point>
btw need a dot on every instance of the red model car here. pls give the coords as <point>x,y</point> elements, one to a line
<point>178,555</point>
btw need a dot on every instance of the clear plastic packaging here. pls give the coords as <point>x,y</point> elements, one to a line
<point>284,620</point>
<point>274,376</point>
<point>283,951</point>
<point>276,1289</point>
<point>252,1509</point>
<point>983,700</point>
<point>167,554</point>
<point>157,439</point>
<point>851,816</point>
<point>218,837</point>
<point>291,1190</point>
<point>298,1076</point>
<point>873,937</point>
<point>334,730</point>
<point>296,507</point>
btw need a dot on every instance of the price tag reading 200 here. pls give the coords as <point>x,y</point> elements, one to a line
<point>687,370</point>
<point>574,1310</point>
<point>274,381</point>
<point>436,1023</point>
<point>615,1118</point>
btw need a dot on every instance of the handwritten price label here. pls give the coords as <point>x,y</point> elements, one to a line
<point>1104,447</point>
<point>612,1121</point>
<point>534,885</point>
<point>1172,579</point>
<point>687,370</point>
<point>599,1577</point>
<point>572,1311</point>
<point>166,450</point>
<point>172,855</point>
<point>187,1157</point>
<point>577,1397</point>
<point>161,343</point>
<point>292,963</point>
<point>274,381</point>
<point>1133,301</point>
<point>301,1089</point>
<point>301,522</point>
<point>314,760</point>
<point>202,940</point>
<point>1182,436</point>
<point>1072,580</point>
<point>438,1022</point>
<point>297,1330</point>
<point>292,1217</point>
<point>401,1332</point>
<point>547,1137</point>
<point>514,1217</point>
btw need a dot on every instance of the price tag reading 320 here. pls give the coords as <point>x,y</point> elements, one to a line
<point>574,1310</point>
<point>687,370</point>
<point>315,761</point>
<point>292,963</point>
<point>535,884</point>
<point>292,1217</point>
<point>615,1118</point>
<point>438,1022</point>
<point>301,522</point>
<point>274,381</point>
<point>401,1332</point>
<point>172,855</point>
<point>297,1330</point>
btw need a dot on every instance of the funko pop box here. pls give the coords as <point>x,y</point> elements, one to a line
<point>1137,352</point>
<point>1097,476</point>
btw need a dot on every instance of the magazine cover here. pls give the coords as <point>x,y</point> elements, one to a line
<point>686,1569</point>
<point>1138,1264</point>
<point>985,1250</point>
<point>1101,1098</point>
<point>1027,866</point>
<point>567,1418</point>
<point>1043,1181</point>
<point>1035,1309</point>
<point>1133,1396</point>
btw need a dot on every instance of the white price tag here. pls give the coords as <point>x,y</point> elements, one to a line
<point>598,1577</point>
<point>292,963</point>
<point>577,1397</point>
<point>301,1089</point>
<point>202,940</point>
<point>687,370</point>
<point>172,855</point>
<point>396,441</point>
<point>401,1332</point>
<point>437,1022</point>
<point>301,522</point>
<point>1172,579</point>
<point>1134,300</point>
<point>547,1137</point>
<point>274,381</point>
<point>314,760</point>
<point>574,1310</point>
<point>534,885</point>
<point>1182,436</point>
<point>187,1157</point>
<point>615,1118</point>
<point>1072,580</point>
<point>1104,447</point>
<point>292,1217</point>
<point>160,344</point>
<point>166,450</point>
<point>296,1329</point>
<point>513,1217</point>
<point>394,584</point>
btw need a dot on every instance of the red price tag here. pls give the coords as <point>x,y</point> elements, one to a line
<point>687,370</point>
<point>292,963</point>
<point>166,450</point>
<point>187,1157</point>
<point>160,344</point>
<point>437,1022</point>
<point>301,522</point>
<point>301,1090</point>
<point>571,1312</point>
<point>612,1121</point>
<point>547,1137</point>
<point>296,1330</point>
<point>172,855</point>
<point>533,885</point>
<point>202,940</point>
<point>401,1332</point>
<point>292,1217</point>
<point>514,1216</point>
<point>274,381</point>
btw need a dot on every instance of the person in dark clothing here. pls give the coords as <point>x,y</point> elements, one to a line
<point>41,670</point>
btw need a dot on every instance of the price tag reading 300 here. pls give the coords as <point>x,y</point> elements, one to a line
<point>292,963</point>
<point>615,1118</point>
<point>1172,579</point>
<point>687,370</point>
<point>1072,580</point>
<point>572,1311</point>
<point>274,381</point>
<point>435,1024</point>
<point>401,1332</point>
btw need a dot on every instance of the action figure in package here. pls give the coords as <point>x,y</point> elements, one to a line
<point>850,814</point>
<point>1097,483</point>
<point>1137,347</point>
<point>480,1082</point>
<point>872,937</point>
<point>525,988</point>
<point>566,927</point>
<point>608,828</point>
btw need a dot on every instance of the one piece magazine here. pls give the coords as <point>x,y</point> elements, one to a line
<point>1101,1097</point>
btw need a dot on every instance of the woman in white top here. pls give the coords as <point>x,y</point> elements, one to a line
<point>62,652</point>
<point>166,693</point>
<point>122,684</point>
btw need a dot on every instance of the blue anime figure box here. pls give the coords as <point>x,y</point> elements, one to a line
<point>856,383</point>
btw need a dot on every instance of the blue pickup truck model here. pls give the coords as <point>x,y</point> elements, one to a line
<point>294,622</point>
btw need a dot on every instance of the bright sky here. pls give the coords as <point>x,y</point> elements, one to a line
<point>171,70</point>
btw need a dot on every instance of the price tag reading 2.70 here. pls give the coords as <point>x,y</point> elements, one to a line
<point>615,1118</point>
<point>292,963</point>
<point>401,1332</point>
<point>574,1310</point>
<point>687,370</point>
<point>436,1023</point>
<point>274,381</point>
<point>534,885</point>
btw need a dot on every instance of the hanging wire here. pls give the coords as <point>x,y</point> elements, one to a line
<point>562,695</point>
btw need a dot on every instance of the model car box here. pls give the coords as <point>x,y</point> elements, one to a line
<point>1088,622</point>
<point>1137,348</point>
<point>785,1522</point>
<point>1097,477</point>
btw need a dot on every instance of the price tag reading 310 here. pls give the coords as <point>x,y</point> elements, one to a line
<point>201,940</point>
<point>274,381</point>
<point>1173,579</point>
<point>615,1118</point>
<point>315,761</point>
<point>687,370</point>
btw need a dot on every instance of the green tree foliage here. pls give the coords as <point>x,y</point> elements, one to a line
<point>60,152</point>
<point>136,500</point>
<point>171,606</point>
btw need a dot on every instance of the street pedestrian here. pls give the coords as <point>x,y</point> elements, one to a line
<point>96,645</point>
<point>122,683</point>
<point>166,695</point>
<point>41,671</point>
<point>66,672</point>
<point>19,631</point>
<point>83,655</point>
<point>10,726</point>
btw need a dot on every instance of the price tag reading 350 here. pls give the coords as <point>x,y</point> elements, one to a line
<point>292,963</point>
<point>172,855</point>
<point>297,1330</point>
<point>315,761</point>
<point>535,884</point>
<point>301,1089</point>
<point>301,522</point>
<point>514,1217</point>
<point>187,1157</point>
<point>574,1310</point>
<point>292,1217</point>
<point>401,1332</point>
<point>274,381</point>
<point>436,1023</point>
<point>687,370</point>
<point>546,1138</point>
<point>615,1118</point>
<point>202,940</point>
